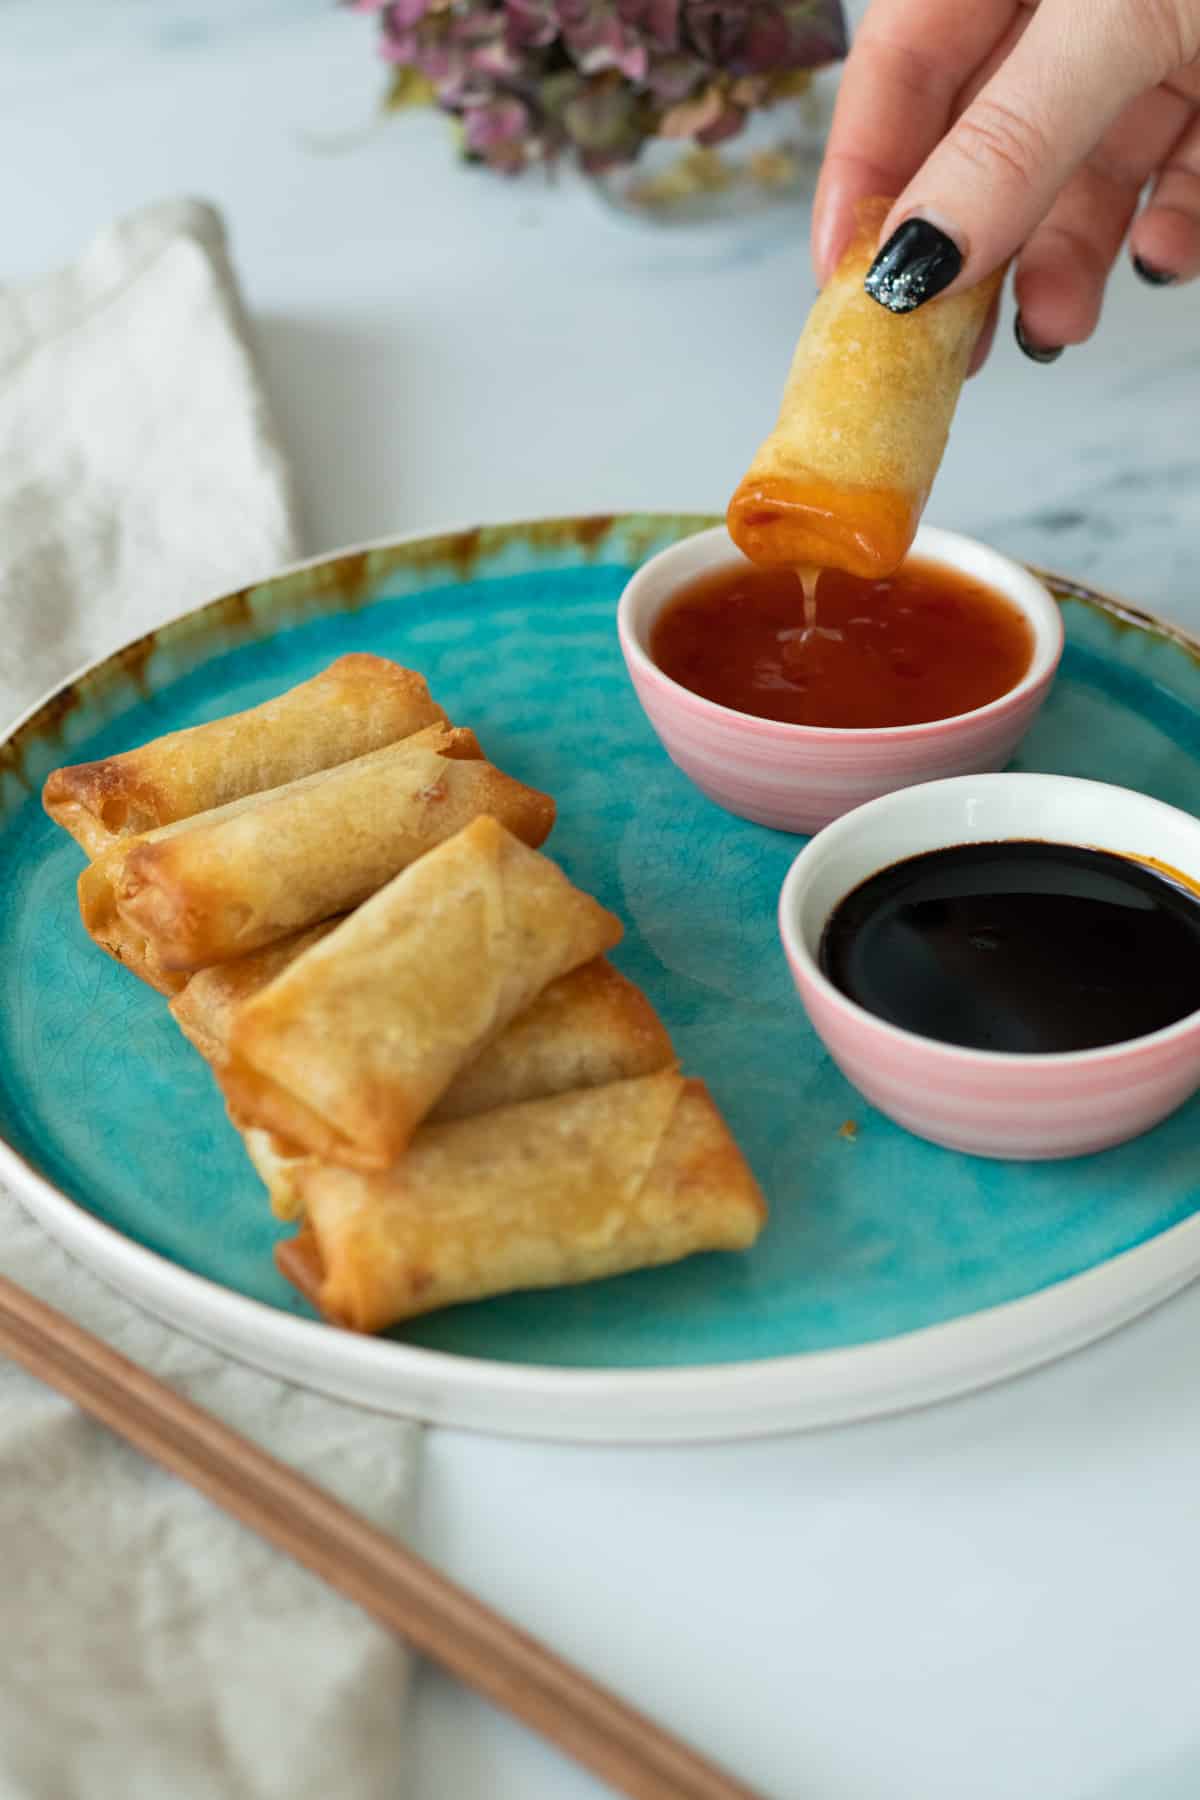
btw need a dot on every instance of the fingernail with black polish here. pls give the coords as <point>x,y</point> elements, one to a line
<point>1035,352</point>
<point>916,263</point>
<point>1154,277</point>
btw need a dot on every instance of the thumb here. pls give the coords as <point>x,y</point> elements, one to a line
<point>997,172</point>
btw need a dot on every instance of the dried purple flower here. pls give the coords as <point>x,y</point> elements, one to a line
<point>602,119</point>
<point>530,24</point>
<point>672,78</point>
<point>657,21</point>
<point>532,80</point>
<point>496,131</point>
<point>402,15</point>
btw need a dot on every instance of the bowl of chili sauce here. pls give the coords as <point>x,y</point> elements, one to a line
<point>791,706</point>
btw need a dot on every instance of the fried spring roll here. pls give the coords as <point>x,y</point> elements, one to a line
<point>586,1029</point>
<point>279,1168</point>
<point>205,1008</point>
<point>301,854</point>
<point>359,703</point>
<point>843,479</point>
<point>346,1052</point>
<point>132,951</point>
<point>100,883</point>
<point>566,1189</point>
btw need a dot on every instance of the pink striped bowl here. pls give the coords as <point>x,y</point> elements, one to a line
<point>1020,1108</point>
<point>799,777</point>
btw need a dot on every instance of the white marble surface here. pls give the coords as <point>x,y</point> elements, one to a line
<point>992,1598</point>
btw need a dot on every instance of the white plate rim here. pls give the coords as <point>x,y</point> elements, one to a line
<point>704,1402</point>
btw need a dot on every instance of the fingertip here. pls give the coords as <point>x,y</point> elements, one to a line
<point>1033,348</point>
<point>1166,242</point>
<point>833,225</point>
<point>984,342</point>
<point>825,248</point>
<point>1058,300</point>
<point>1152,275</point>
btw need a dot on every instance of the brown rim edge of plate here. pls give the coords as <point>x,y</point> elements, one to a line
<point>336,580</point>
<point>1122,612</point>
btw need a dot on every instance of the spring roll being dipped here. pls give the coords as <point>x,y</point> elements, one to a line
<point>346,1052</point>
<point>843,479</point>
<point>566,1189</point>
<point>300,854</point>
<point>586,1029</point>
<point>359,703</point>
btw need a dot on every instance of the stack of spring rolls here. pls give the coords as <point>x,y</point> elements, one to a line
<point>408,1009</point>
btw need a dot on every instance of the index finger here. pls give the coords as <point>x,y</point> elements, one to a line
<point>898,94</point>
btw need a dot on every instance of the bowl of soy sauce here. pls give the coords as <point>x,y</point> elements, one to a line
<point>1007,965</point>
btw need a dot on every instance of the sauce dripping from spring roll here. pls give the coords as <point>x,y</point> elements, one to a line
<point>809,577</point>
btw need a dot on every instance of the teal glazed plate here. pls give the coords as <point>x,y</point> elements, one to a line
<point>891,1272</point>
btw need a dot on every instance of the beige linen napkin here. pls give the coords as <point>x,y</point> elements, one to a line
<point>149,1646</point>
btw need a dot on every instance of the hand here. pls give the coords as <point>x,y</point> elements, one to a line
<point>1008,127</point>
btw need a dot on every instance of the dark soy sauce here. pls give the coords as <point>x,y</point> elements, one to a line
<point>1020,946</point>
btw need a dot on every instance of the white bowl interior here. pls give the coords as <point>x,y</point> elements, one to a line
<point>972,809</point>
<point>663,576</point>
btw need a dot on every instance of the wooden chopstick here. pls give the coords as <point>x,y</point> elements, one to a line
<point>439,1618</point>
